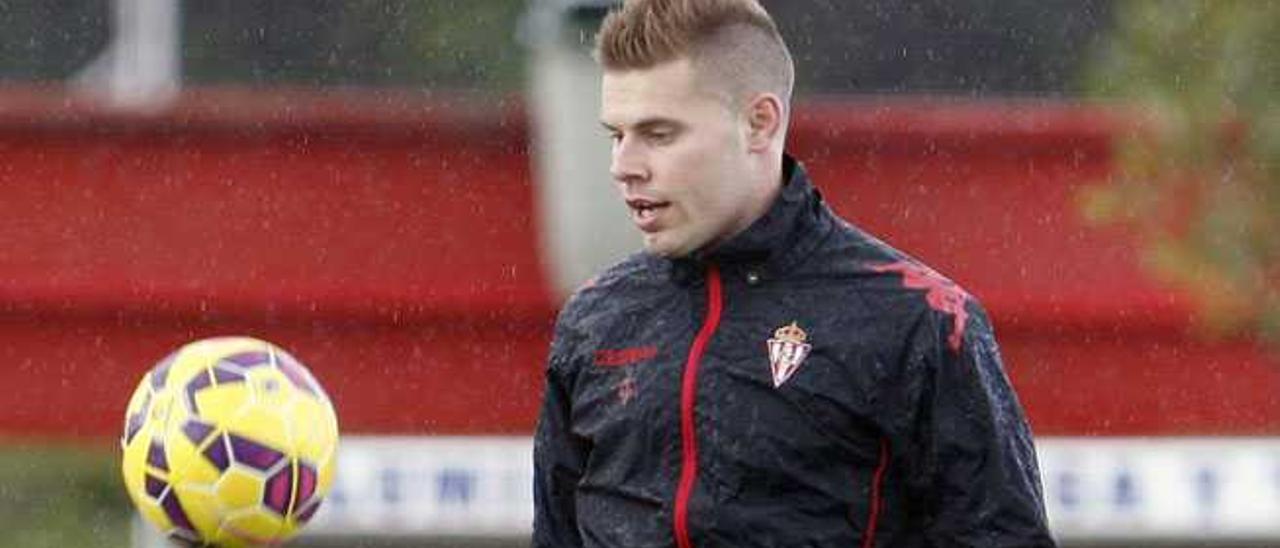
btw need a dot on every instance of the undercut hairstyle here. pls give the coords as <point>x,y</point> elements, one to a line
<point>732,43</point>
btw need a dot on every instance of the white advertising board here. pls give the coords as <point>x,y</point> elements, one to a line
<point>1095,488</point>
<point>1162,488</point>
<point>430,486</point>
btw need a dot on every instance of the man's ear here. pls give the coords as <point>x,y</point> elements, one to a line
<point>764,121</point>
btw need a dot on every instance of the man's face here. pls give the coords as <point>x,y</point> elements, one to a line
<point>679,158</point>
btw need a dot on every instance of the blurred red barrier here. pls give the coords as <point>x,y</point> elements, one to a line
<point>389,240</point>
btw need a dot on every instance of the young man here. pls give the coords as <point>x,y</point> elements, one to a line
<point>764,374</point>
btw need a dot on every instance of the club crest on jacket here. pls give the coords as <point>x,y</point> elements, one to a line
<point>787,349</point>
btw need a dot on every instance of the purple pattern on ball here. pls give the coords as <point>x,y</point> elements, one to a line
<point>133,425</point>
<point>224,376</point>
<point>173,509</point>
<point>154,486</point>
<point>306,482</point>
<point>307,512</point>
<point>196,384</point>
<point>296,373</point>
<point>156,457</point>
<point>253,454</point>
<point>135,421</point>
<point>196,431</point>
<point>160,373</point>
<point>249,359</point>
<point>216,453</point>
<point>279,491</point>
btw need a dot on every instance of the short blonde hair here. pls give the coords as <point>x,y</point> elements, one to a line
<point>734,43</point>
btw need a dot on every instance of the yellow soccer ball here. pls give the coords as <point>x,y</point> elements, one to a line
<point>229,442</point>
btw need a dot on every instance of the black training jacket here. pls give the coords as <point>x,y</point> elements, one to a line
<point>801,385</point>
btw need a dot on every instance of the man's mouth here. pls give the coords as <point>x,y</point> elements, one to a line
<point>645,212</point>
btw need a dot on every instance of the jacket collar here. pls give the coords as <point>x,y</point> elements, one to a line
<point>788,232</point>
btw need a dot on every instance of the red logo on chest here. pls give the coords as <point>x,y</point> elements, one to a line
<point>942,294</point>
<point>618,357</point>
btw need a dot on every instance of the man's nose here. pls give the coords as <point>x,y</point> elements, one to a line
<point>627,163</point>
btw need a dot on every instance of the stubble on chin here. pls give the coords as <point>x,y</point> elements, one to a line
<point>653,246</point>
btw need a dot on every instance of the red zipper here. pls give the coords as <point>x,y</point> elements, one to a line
<point>877,481</point>
<point>688,396</point>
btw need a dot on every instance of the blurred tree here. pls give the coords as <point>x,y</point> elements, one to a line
<point>1199,180</point>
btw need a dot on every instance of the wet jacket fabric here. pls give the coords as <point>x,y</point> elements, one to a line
<point>801,385</point>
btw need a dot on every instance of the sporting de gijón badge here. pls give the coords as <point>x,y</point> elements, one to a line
<point>787,350</point>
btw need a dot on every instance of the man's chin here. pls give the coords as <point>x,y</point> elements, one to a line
<point>663,247</point>
<point>656,245</point>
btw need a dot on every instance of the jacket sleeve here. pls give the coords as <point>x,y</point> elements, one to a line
<point>979,482</point>
<point>558,460</point>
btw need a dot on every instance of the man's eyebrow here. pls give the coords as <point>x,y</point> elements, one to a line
<point>653,123</point>
<point>645,123</point>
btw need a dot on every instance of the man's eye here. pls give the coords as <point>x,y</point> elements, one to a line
<point>661,136</point>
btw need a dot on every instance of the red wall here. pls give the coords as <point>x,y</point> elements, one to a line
<point>389,241</point>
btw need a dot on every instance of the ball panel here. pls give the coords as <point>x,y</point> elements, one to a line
<point>155,487</point>
<point>239,488</point>
<point>306,483</point>
<point>156,456</point>
<point>252,528</point>
<point>196,384</point>
<point>154,514</point>
<point>253,454</point>
<point>175,512</point>
<point>249,359</point>
<point>218,404</point>
<point>136,413</point>
<point>196,432</point>
<point>271,387</point>
<point>225,375</point>
<point>307,511</point>
<point>325,472</point>
<point>188,461</point>
<point>278,495</point>
<point>133,464</point>
<point>218,454</point>
<point>201,504</point>
<point>315,433</point>
<point>261,432</point>
<point>160,374</point>
<point>298,375</point>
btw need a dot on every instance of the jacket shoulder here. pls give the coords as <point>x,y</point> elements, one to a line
<point>598,301</point>
<point>620,279</point>
<point>899,287</point>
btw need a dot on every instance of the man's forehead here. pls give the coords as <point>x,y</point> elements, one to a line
<point>670,79</point>
<point>663,90</point>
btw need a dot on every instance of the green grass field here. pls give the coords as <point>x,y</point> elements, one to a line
<point>60,495</point>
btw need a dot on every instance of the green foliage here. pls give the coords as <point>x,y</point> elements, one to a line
<point>61,495</point>
<point>469,41</point>
<point>1199,177</point>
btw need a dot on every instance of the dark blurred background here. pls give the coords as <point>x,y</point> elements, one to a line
<point>960,47</point>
